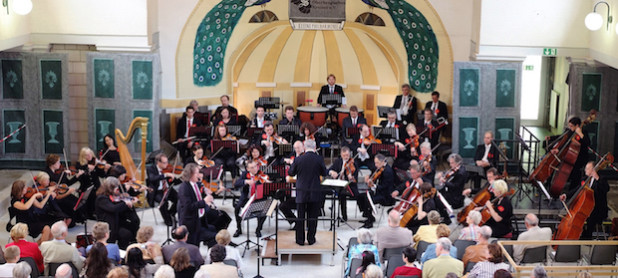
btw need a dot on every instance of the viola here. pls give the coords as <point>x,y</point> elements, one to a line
<point>412,142</point>
<point>261,161</point>
<point>375,176</point>
<point>30,191</point>
<point>62,188</point>
<point>229,137</point>
<point>350,169</point>
<point>260,178</point>
<point>449,176</point>
<point>135,185</point>
<point>62,169</point>
<point>426,163</point>
<point>176,170</point>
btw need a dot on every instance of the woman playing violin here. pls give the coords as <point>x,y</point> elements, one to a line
<point>116,210</point>
<point>247,184</point>
<point>58,174</point>
<point>501,212</point>
<point>109,154</point>
<point>61,205</point>
<point>309,131</point>
<point>131,187</point>
<point>198,157</point>
<point>255,154</point>
<point>87,162</point>
<point>407,148</point>
<point>269,140</point>
<point>24,210</point>
<point>361,144</point>
<point>226,156</point>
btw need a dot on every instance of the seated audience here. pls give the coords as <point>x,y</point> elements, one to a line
<point>392,236</point>
<point>64,271</point>
<point>471,232</point>
<point>11,255</point>
<point>409,269</point>
<point>443,264</point>
<point>149,248</point>
<point>217,269</point>
<point>202,273</point>
<point>100,232</point>
<point>533,232</point>
<point>478,253</point>
<point>427,233</point>
<point>97,263</point>
<point>119,272</point>
<point>364,244</point>
<point>538,272</point>
<point>26,248</point>
<point>58,250</point>
<point>180,235</point>
<point>430,253</point>
<point>486,269</point>
<point>181,262</point>
<point>501,273</point>
<point>138,267</point>
<point>22,270</point>
<point>373,271</point>
<point>224,238</point>
<point>165,271</point>
<point>368,259</point>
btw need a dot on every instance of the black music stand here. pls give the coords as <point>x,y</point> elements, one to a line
<point>83,198</point>
<point>390,134</point>
<point>234,130</point>
<point>254,132</point>
<point>289,131</point>
<point>274,172</point>
<point>284,149</point>
<point>169,234</point>
<point>201,132</point>
<point>385,149</point>
<point>383,111</point>
<point>331,99</point>
<point>254,209</point>
<point>223,144</point>
<point>350,132</point>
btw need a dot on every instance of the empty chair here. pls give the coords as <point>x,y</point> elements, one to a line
<point>469,267</point>
<point>388,252</point>
<point>394,261</point>
<point>602,255</point>
<point>461,247</point>
<point>535,255</point>
<point>567,254</point>
<point>420,249</point>
<point>509,250</point>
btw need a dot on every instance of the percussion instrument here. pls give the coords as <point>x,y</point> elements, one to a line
<point>314,115</point>
<point>342,113</point>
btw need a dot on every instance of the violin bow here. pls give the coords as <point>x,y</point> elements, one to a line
<point>602,158</point>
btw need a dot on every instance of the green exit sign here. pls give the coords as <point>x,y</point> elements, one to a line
<point>529,67</point>
<point>550,51</point>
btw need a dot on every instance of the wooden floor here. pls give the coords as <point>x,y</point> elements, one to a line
<point>287,243</point>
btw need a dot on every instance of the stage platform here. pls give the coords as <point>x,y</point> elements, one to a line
<point>286,241</point>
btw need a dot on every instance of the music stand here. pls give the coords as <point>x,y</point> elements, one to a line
<point>338,186</point>
<point>268,102</point>
<point>350,132</point>
<point>253,209</point>
<point>83,198</point>
<point>386,133</point>
<point>331,99</point>
<point>274,172</point>
<point>385,149</point>
<point>254,131</point>
<point>234,130</point>
<point>272,189</point>
<point>223,144</point>
<point>288,131</point>
<point>383,111</point>
<point>284,149</point>
<point>201,132</point>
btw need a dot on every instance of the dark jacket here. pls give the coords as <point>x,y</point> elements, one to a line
<point>325,91</point>
<point>181,127</point>
<point>493,156</point>
<point>188,214</point>
<point>442,109</point>
<point>309,167</point>
<point>410,118</point>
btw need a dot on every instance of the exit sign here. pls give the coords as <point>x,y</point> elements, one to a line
<point>550,51</point>
<point>529,67</point>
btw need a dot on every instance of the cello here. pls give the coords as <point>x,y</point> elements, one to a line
<point>568,150</point>
<point>580,206</point>
<point>413,208</point>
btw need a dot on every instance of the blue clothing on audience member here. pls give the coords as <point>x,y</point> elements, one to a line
<point>113,252</point>
<point>430,253</point>
<point>356,252</point>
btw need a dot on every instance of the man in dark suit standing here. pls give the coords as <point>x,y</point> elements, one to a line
<point>192,208</point>
<point>406,104</point>
<point>437,107</point>
<point>427,122</point>
<point>392,122</point>
<point>309,196</point>
<point>331,89</point>
<point>162,190</point>
<point>354,120</point>
<point>185,123</point>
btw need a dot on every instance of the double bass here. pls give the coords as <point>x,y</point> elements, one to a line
<point>562,162</point>
<point>580,206</point>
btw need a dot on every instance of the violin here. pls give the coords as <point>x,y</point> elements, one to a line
<point>62,188</point>
<point>350,169</point>
<point>229,137</point>
<point>412,142</point>
<point>135,185</point>
<point>426,163</point>
<point>371,140</point>
<point>273,138</point>
<point>375,176</point>
<point>449,176</point>
<point>61,170</point>
<point>261,161</point>
<point>205,162</point>
<point>260,178</point>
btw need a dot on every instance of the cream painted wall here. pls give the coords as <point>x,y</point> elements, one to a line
<point>458,19</point>
<point>560,86</point>
<point>14,29</point>
<point>603,42</point>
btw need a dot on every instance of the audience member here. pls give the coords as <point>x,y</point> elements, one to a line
<point>64,271</point>
<point>373,271</point>
<point>224,238</point>
<point>451,275</point>
<point>11,255</point>
<point>584,274</point>
<point>181,263</point>
<point>409,269</point>
<point>501,273</point>
<point>427,233</point>
<point>471,232</point>
<point>149,248</point>
<point>97,263</point>
<point>119,272</point>
<point>217,269</point>
<point>443,264</point>
<point>430,253</point>
<point>392,236</point>
<point>533,232</point>
<point>58,250</point>
<point>486,269</point>
<point>478,253</point>
<point>26,248</point>
<point>22,270</point>
<point>138,267</point>
<point>364,244</point>
<point>367,260</point>
<point>538,272</point>
<point>165,271</point>
<point>202,273</point>
<point>180,235</point>
<point>100,232</point>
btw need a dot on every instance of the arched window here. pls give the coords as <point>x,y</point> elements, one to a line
<point>370,19</point>
<point>263,16</point>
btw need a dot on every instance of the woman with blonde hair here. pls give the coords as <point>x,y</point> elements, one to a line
<point>150,249</point>
<point>224,238</point>
<point>26,248</point>
<point>87,162</point>
<point>501,210</point>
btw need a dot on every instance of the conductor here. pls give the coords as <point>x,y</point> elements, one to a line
<point>308,168</point>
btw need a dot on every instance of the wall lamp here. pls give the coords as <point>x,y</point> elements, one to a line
<point>594,20</point>
<point>20,7</point>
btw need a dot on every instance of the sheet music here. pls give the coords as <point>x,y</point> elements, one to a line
<point>335,183</point>
<point>246,207</point>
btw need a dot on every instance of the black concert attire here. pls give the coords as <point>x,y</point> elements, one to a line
<point>429,204</point>
<point>260,123</point>
<point>161,188</point>
<point>439,109</point>
<point>430,174</point>
<point>432,135</point>
<point>380,193</point>
<point>191,211</point>
<point>487,153</point>
<point>287,201</point>
<point>245,191</point>
<point>218,218</point>
<point>123,221</point>
<point>33,217</point>
<point>309,195</point>
<point>400,100</point>
<point>110,156</point>
<point>504,208</point>
<point>227,159</point>
<point>402,162</point>
<point>231,121</point>
<point>599,212</point>
<point>86,180</point>
<point>348,122</point>
<point>181,132</point>
<point>582,158</point>
<point>67,204</point>
<point>398,125</point>
<point>454,186</point>
<point>295,121</point>
<point>350,190</point>
<point>359,142</point>
<point>233,112</point>
<point>329,90</point>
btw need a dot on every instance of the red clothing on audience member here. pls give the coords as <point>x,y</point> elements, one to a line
<point>407,271</point>
<point>29,249</point>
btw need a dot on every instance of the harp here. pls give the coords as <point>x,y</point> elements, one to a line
<point>125,155</point>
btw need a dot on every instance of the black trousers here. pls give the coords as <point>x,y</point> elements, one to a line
<point>342,196</point>
<point>286,206</point>
<point>242,201</point>
<point>307,212</point>
<point>229,164</point>
<point>168,208</point>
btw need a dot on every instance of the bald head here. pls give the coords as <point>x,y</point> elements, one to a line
<point>393,218</point>
<point>59,230</point>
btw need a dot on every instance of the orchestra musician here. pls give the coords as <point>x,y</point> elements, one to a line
<point>309,168</point>
<point>492,175</point>
<point>407,147</point>
<point>424,205</point>
<point>131,186</point>
<point>161,181</point>
<point>109,154</point>
<point>392,122</point>
<point>185,123</point>
<point>218,218</point>
<point>225,117</point>
<point>260,118</point>
<point>345,168</point>
<point>192,208</point>
<point>452,182</point>
<point>331,89</point>
<point>24,210</point>
<point>289,118</point>
<point>59,175</point>
<point>428,164</point>
<point>501,212</point>
<point>361,144</point>
<point>406,104</point>
<point>225,103</point>
<point>247,183</point>
<point>289,202</point>
<point>269,140</point>
<point>256,155</point>
<point>432,135</point>
<point>309,131</point>
<point>599,213</point>
<point>87,162</point>
<point>381,185</point>
<point>116,209</point>
<point>196,107</point>
<point>61,204</point>
<point>198,157</point>
<point>226,156</point>
<point>437,107</point>
<point>354,120</point>
<point>486,155</point>
<point>574,128</point>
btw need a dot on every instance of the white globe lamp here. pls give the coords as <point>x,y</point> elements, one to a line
<point>22,7</point>
<point>594,21</point>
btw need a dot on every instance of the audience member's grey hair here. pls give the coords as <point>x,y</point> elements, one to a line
<point>58,229</point>
<point>22,270</point>
<point>451,275</point>
<point>485,232</point>
<point>310,145</point>
<point>475,216</point>
<point>373,271</point>
<point>539,272</point>
<point>531,219</point>
<point>201,273</point>
<point>64,270</point>
<point>455,157</point>
<point>364,236</point>
<point>445,243</point>
<point>165,271</point>
<point>433,217</point>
